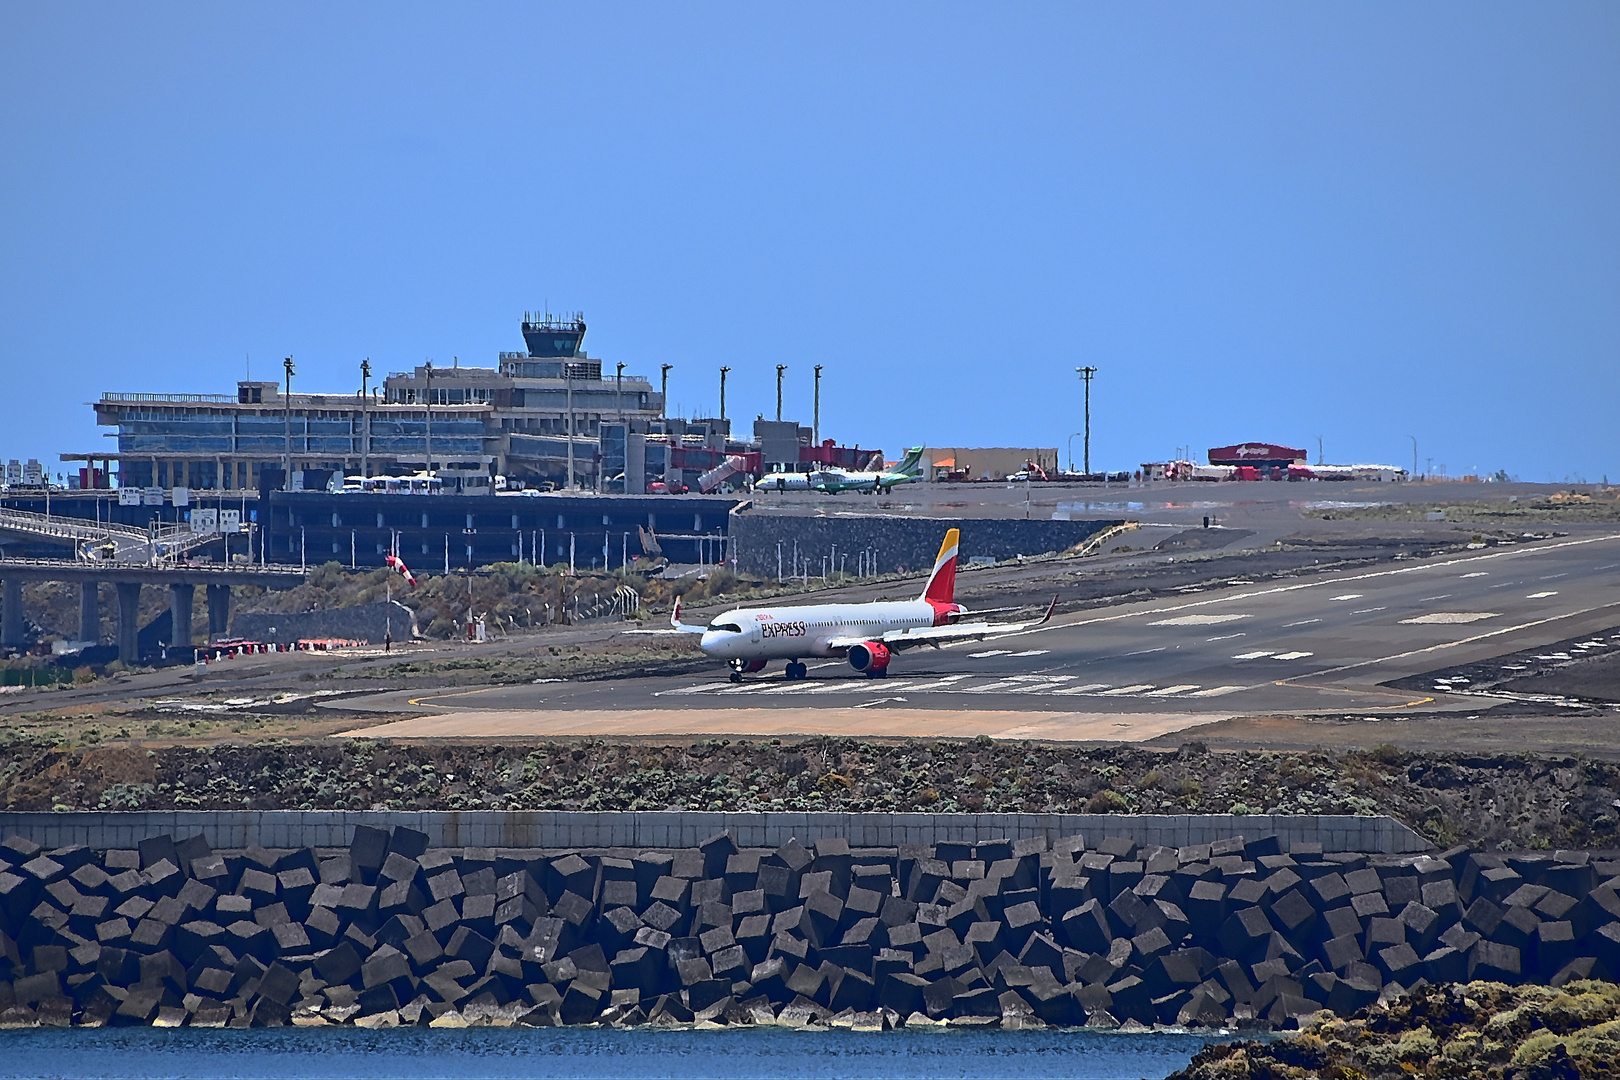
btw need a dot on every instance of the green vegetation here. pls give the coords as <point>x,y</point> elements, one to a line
<point>1482,1030</point>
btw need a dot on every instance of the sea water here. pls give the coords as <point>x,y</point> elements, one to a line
<point>140,1052</point>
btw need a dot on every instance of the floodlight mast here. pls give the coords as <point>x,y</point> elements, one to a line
<point>1085,374</point>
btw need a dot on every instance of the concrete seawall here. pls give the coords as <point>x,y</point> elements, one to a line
<point>557,830</point>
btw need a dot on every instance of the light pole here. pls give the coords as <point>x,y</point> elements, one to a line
<point>618,389</point>
<point>779,369</point>
<point>1071,450</point>
<point>1414,455</point>
<point>365,418</point>
<point>1085,374</point>
<point>286,414</point>
<point>815,420</point>
<point>427,403</point>
<point>663,391</point>
<point>723,370</point>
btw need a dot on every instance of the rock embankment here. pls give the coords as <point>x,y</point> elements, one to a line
<point>1016,933</point>
<point>1472,1031</point>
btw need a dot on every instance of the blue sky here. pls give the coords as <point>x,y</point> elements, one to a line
<point>1261,221</point>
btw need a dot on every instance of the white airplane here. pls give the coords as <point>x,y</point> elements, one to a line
<point>867,634</point>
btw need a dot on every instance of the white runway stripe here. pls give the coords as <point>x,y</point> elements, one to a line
<point>1216,691</point>
<point>1167,691</point>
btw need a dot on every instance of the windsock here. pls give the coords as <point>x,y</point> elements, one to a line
<point>397,565</point>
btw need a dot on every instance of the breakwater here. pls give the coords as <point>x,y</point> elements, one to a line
<point>1099,930</point>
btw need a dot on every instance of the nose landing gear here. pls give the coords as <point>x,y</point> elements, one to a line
<point>736,670</point>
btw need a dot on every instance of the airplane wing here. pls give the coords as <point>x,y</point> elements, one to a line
<point>940,635</point>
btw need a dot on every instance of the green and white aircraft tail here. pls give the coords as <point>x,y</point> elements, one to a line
<point>837,481</point>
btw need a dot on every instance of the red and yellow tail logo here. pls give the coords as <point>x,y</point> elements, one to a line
<point>942,582</point>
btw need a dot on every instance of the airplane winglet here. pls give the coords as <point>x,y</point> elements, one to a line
<point>1049,609</point>
<point>675,620</point>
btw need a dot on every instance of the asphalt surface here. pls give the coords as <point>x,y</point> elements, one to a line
<point>1327,642</point>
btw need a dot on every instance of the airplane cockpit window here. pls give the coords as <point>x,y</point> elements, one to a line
<point>731,626</point>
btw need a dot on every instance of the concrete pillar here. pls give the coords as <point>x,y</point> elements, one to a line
<point>129,621</point>
<point>219,610</point>
<point>11,618</point>
<point>90,611</point>
<point>180,597</point>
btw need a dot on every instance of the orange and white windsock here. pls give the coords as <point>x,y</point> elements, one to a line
<point>397,565</point>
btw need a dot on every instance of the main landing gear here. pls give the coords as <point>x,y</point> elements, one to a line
<point>796,670</point>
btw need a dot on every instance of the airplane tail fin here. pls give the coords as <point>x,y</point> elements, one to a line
<point>908,464</point>
<point>942,582</point>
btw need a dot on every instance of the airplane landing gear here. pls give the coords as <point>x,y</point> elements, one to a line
<point>796,670</point>
<point>736,671</point>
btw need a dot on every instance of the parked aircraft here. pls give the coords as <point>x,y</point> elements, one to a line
<point>868,635</point>
<point>837,481</point>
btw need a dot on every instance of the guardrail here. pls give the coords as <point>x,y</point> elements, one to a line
<point>135,399</point>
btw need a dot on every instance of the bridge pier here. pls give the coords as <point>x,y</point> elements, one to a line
<point>129,621</point>
<point>219,611</point>
<point>90,612</point>
<point>11,618</point>
<point>180,597</point>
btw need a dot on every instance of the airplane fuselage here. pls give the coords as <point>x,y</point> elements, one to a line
<point>788,633</point>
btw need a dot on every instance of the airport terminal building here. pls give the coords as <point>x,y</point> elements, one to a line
<point>528,417</point>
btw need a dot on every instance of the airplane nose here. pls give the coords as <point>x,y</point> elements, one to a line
<point>711,642</point>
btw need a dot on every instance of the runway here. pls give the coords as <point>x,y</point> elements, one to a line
<point>1323,643</point>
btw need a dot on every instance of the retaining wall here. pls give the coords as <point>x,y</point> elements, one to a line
<point>900,544</point>
<point>561,829</point>
<point>365,622</point>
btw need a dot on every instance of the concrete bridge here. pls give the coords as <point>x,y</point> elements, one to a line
<point>128,577</point>
<point>129,543</point>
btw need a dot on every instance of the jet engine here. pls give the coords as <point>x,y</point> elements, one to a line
<point>871,657</point>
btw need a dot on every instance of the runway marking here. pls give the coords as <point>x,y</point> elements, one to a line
<point>1462,560</point>
<point>1346,596</point>
<point>1292,655</point>
<point>1448,618</point>
<point>1426,599</point>
<point>1216,691</point>
<point>991,652</point>
<point>939,683</point>
<point>1127,690</point>
<point>1256,655</point>
<point>1541,595</point>
<point>1223,637</point>
<point>1031,652</point>
<point>1167,691</point>
<point>1089,688</point>
<point>1498,632</point>
<point>1366,610</point>
<point>1477,573</point>
<point>1144,652</point>
<point>1302,622</point>
<point>1198,620</point>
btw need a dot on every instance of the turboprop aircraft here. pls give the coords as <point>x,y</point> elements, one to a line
<point>836,481</point>
<point>867,634</point>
